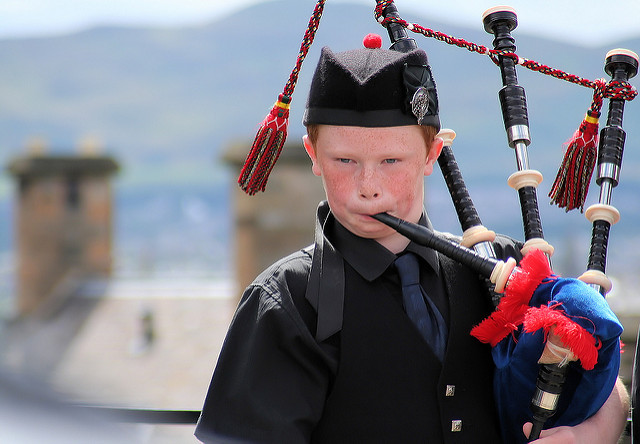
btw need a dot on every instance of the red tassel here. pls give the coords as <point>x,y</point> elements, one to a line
<point>266,148</point>
<point>272,134</point>
<point>571,186</point>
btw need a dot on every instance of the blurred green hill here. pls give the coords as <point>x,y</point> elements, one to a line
<point>168,102</point>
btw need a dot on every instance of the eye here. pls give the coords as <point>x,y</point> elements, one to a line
<point>344,160</point>
<point>390,160</point>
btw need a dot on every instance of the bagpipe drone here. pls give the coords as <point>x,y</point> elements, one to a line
<point>555,341</point>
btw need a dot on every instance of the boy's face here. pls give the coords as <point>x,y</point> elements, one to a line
<point>366,171</point>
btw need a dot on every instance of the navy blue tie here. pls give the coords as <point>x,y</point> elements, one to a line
<point>419,307</point>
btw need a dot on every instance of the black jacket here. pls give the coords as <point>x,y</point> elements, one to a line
<point>321,351</point>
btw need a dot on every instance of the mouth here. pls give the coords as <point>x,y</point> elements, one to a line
<point>373,215</point>
<point>378,217</point>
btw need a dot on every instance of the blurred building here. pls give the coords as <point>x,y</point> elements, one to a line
<point>277,222</point>
<point>63,224</point>
<point>135,341</point>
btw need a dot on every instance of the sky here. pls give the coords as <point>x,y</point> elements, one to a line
<point>582,22</point>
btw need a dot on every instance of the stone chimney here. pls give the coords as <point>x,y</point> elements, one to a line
<point>279,221</point>
<point>63,227</point>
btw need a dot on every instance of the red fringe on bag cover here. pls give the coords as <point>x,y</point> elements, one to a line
<point>573,336</point>
<point>514,310</point>
<point>509,315</point>
<point>570,188</point>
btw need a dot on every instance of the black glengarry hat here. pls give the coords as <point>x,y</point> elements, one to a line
<point>389,89</point>
<point>372,87</point>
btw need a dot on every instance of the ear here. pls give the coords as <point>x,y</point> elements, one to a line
<point>311,151</point>
<point>432,155</point>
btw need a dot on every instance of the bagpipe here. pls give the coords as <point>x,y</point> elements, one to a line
<point>555,341</point>
<point>547,301</point>
<point>544,303</point>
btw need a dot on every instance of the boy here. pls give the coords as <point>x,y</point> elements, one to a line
<point>322,348</point>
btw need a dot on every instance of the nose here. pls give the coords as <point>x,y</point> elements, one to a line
<point>370,187</point>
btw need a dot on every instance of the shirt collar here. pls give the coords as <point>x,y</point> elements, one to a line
<point>368,257</point>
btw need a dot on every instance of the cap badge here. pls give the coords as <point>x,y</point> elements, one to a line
<point>421,98</point>
<point>420,103</point>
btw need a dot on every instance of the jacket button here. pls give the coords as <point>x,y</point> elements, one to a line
<point>450,390</point>
<point>456,425</point>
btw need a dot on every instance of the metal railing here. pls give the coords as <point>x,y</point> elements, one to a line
<point>146,416</point>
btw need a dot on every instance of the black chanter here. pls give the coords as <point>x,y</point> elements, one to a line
<point>497,271</point>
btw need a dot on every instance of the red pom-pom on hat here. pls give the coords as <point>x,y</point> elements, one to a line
<point>372,41</point>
